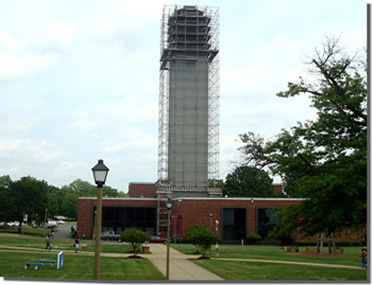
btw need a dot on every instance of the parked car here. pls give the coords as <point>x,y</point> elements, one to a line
<point>156,239</point>
<point>12,224</point>
<point>59,222</point>
<point>42,225</point>
<point>110,235</point>
<point>52,224</point>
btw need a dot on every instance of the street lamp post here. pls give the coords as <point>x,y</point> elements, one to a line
<point>210,220</point>
<point>99,173</point>
<point>217,222</point>
<point>169,207</point>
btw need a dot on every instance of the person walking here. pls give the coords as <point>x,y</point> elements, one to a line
<point>364,258</point>
<point>77,244</point>
<point>47,239</point>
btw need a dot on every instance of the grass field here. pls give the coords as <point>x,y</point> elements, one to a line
<point>233,270</point>
<point>26,230</point>
<point>39,242</point>
<point>351,255</point>
<point>77,267</point>
<point>80,266</point>
<point>240,270</point>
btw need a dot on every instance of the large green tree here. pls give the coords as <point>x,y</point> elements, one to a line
<point>26,196</point>
<point>323,160</point>
<point>5,207</point>
<point>248,181</point>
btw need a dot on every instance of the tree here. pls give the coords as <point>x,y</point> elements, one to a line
<point>201,237</point>
<point>56,198</point>
<point>79,188</point>
<point>27,196</point>
<point>5,182</point>
<point>70,205</point>
<point>135,237</point>
<point>324,160</point>
<point>248,181</point>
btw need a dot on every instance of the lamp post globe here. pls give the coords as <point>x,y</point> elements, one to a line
<point>169,204</point>
<point>100,171</point>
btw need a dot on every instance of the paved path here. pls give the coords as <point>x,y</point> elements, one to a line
<point>180,268</point>
<point>64,232</point>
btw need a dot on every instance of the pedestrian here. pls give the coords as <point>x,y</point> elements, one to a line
<point>47,239</point>
<point>364,258</point>
<point>52,233</point>
<point>77,244</point>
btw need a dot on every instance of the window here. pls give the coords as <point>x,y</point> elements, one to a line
<point>119,219</point>
<point>234,224</point>
<point>266,221</point>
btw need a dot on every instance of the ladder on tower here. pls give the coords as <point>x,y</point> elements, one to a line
<point>162,211</point>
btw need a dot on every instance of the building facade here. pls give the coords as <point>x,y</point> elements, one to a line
<point>231,218</point>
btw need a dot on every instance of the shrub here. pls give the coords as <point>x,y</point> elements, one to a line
<point>135,237</point>
<point>201,237</point>
<point>253,238</point>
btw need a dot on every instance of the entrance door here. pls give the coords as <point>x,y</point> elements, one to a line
<point>234,225</point>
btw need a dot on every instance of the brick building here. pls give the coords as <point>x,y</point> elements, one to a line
<point>231,218</point>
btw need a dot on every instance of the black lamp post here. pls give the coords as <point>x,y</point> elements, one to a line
<point>169,208</point>
<point>100,174</point>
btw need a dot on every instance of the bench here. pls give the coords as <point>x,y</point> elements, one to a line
<point>292,248</point>
<point>28,264</point>
<point>340,249</point>
<point>311,248</point>
<point>48,261</point>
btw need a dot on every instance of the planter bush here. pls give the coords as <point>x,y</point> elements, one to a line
<point>253,238</point>
<point>136,238</point>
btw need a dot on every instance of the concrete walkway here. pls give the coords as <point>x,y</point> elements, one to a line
<point>180,268</point>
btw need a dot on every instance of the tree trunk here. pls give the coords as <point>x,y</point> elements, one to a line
<point>20,226</point>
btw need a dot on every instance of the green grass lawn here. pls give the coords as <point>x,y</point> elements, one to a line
<point>234,270</point>
<point>26,230</point>
<point>77,267</point>
<point>239,270</point>
<point>351,254</point>
<point>39,242</point>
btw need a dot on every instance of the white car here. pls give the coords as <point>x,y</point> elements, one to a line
<point>52,224</point>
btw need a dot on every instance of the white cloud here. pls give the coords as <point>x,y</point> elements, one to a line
<point>8,42</point>
<point>17,66</point>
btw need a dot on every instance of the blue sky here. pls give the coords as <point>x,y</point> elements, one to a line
<point>79,80</point>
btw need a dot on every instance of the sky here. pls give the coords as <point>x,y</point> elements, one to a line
<point>79,80</point>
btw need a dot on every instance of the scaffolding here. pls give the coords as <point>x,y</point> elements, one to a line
<point>189,32</point>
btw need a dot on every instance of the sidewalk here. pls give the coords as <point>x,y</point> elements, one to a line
<point>180,268</point>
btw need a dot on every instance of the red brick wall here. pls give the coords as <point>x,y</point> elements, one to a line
<point>277,188</point>
<point>196,211</point>
<point>141,190</point>
<point>193,210</point>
